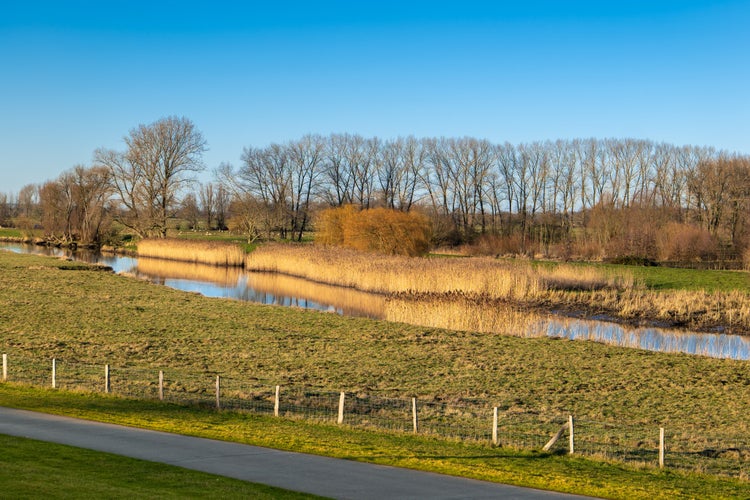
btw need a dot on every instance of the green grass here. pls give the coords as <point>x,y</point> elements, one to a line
<point>35,469</point>
<point>224,236</point>
<point>524,468</point>
<point>7,232</point>
<point>665,278</point>
<point>661,278</point>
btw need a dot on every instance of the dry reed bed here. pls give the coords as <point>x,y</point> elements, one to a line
<point>460,313</point>
<point>215,253</point>
<point>480,277</point>
<point>469,287</point>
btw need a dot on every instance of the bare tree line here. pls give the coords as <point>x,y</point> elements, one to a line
<point>538,192</point>
<point>603,192</point>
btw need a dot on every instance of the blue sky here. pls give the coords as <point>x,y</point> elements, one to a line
<point>79,75</point>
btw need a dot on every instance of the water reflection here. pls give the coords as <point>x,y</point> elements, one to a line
<point>227,282</point>
<point>650,339</point>
<point>270,288</point>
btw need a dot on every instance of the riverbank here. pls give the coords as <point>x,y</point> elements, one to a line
<point>68,310</point>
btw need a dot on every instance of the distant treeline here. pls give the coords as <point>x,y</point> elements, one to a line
<point>583,198</point>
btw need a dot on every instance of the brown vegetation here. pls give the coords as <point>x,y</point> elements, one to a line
<point>466,293</point>
<point>496,279</point>
<point>381,230</point>
<point>215,253</point>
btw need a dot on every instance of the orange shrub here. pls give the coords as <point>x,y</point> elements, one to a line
<point>376,230</point>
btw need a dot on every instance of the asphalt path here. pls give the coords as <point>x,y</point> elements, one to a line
<point>323,476</point>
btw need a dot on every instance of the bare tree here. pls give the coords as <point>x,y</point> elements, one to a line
<point>189,210</point>
<point>5,209</point>
<point>149,175</point>
<point>74,206</point>
<point>208,203</point>
<point>306,157</point>
<point>28,198</point>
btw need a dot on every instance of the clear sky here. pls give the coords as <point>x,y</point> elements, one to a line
<point>78,75</point>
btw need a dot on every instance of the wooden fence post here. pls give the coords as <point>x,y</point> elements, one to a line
<point>106,379</point>
<point>415,420</point>
<point>54,373</point>
<point>161,385</point>
<point>494,426</point>
<point>218,392</point>
<point>571,434</point>
<point>276,403</point>
<point>341,408</point>
<point>5,367</point>
<point>557,436</point>
<point>661,447</point>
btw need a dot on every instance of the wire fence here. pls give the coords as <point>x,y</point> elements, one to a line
<point>475,420</point>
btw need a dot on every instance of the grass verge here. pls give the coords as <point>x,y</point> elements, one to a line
<point>523,468</point>
<point>35,469</point>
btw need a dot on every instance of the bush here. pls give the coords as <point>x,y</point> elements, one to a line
<point>496,245</point>
<point>376,230</point>
<point>684,242</point>
<point>633,260</point>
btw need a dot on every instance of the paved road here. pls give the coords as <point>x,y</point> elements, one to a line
<point>294,471</point>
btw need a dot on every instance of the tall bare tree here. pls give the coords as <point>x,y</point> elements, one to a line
<point>149,175</point>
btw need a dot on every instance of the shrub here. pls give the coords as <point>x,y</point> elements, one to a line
<point>377,230</point>
<point>497,245</point>
<point>685,242</point>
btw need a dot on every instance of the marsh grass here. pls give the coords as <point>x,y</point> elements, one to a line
<point>481,285</point>
<point>216,253</point>
<point>485,277</point>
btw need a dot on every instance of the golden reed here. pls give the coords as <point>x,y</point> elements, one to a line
<point>477,276</point>
<point>215,253</point>
<point>457,282</point>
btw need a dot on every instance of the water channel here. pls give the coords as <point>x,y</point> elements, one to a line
<point>269,288</point>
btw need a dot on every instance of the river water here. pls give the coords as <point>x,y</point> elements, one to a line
<point>269,288</point>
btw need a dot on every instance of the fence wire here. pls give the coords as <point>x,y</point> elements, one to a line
<point>465,420</point>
